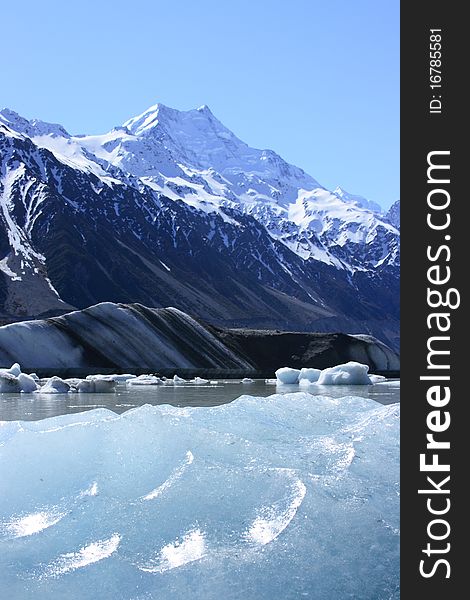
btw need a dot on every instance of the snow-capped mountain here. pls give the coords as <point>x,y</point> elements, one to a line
<point>171,208</point>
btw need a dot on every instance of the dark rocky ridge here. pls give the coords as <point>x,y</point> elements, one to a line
<point>267,349</point>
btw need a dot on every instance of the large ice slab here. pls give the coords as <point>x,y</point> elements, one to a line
<point>350,373</point>
<point>293,492</point>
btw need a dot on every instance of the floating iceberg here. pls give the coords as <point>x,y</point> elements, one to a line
<point>27,383</point>
<point>99,377</point>
<point>55,385</point>
<point>123,378</point>
<point>12,380</point>
<point>247,380</point>
<point>288,375</point>
<point>311,375</point>
<point>377,378</point>
<point>145,380</point>
<point>351,373</point>
<point>9,382</point>
<point>14,370</point>
<point>294,492</point>
<point>116,378</point>
<point>198,381</point>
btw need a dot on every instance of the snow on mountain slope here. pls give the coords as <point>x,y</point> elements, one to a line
<point>21,263</point>
<point>357,200</point>
<point>393,214</point>
<point>190,155</point>
<point>321,226</point>
<point>55,138</point>
<point>199,140</point>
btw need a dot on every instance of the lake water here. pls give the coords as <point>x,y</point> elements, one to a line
<point>33,407</point>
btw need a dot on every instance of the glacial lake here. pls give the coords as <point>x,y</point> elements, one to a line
<point>33,407</point>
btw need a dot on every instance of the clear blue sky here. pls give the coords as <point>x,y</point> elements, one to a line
<point>316,81</point>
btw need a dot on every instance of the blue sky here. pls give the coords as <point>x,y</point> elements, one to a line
<point>318,82</point>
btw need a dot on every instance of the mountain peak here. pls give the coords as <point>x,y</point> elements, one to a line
<point>146,120</point>
<point>159,114</point>
<point>204,109</point>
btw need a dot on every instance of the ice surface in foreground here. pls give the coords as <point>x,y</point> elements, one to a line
<point>283,497</point>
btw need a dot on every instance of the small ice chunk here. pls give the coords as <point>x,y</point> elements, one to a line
<point>350,373</point>
<point>144,380</point>
<point>287,375</point>
<point>177,379</point>
<point>8,382</point>
<point>123,378</point>
<point>55,385</point>
<point>27,383</point>
<point>247,380</point>
<point>377,378</point>
<point>14,370</point>
<point>114,377</point>
<point>99,377</point>
<point>213,382</point>
<point>310,375</point>
<point>199,381</point>
<point>270,381</point>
